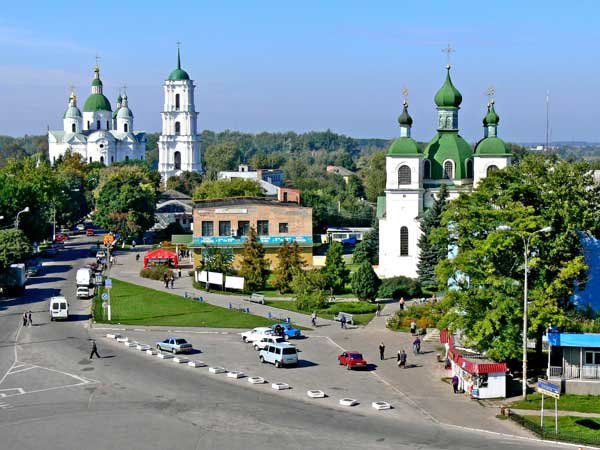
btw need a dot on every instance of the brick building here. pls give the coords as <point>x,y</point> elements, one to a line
<point>225,222</point>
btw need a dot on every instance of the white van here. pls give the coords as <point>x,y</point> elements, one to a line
<point>85,292</point>
<point>279,354</point>
<point>84,277</point>
<point>59,308</point>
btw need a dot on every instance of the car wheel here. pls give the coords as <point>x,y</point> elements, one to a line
<point>256,347</point>
<point>244,339</point>
<point>277,364</point>
<point>262,360</point>
<point>349,367</point>
<point>174,350</point>
<point>158,348</point>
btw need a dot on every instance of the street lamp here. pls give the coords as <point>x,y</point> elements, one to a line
<point>526,237</point>
<point>26,209</point>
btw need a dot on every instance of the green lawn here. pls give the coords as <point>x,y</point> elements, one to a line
<point>583,430</point>
<point>567,402</point>
<point>367,310</point>
<point>138,305</point>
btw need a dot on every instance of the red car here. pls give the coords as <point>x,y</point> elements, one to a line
<point>61,237</point>
<point>89,232</point>
<point>352,360</point>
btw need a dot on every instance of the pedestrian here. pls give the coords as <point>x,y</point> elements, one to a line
<point>413,327</point>
<point>166,279</point>
<point>401,303</point>
<point>402,359</point>
<point>24,319</point>
<point>343,322</point>
<point>417,346</point>
<point>313,318</point>
<point>172,281</point>
<point>378,312</point>
<point>137,257</point>
<point>179,273</point>
<point>29,319</point>
<point>133,244</point>
<point>455,384</point>
<point>94,350</point>
<point>381,351</point>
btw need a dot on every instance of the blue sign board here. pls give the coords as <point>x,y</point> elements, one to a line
<point>108,283</point>
<point>233,240</point>
<point>547,388</point>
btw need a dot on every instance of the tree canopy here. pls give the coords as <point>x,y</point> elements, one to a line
<point>14,247</point>
<point>236,187</point>
<point>254,267</point>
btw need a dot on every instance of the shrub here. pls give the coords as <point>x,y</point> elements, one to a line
<point>352,307</point>
<point>425,316</point>
<point>399,287</point>
<point>309,288</point>
<point>155,272</point>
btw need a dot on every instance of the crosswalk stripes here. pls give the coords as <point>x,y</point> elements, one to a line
<point>5,406</point>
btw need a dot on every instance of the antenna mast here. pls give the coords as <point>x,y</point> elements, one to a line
<point>547,119</point>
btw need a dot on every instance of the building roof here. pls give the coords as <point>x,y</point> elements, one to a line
<point>491,118</point>
<point>171,194</point>
<point>72,112</point>
<point>405,119</point>
<point>235,201</point>
<point>63,137</point>
<point>448,96</point>
<point>448,145</point>
<point>182,239</point>
<point>342,171</point>
<point>476,366</point>
<point>178,74</point>
<point>404,146</point>
<point>591,340</point>
<point>96,102</point>
<point>491,146</point>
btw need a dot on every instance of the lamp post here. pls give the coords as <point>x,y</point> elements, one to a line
<point>26,209</point>
<point>526,237</point>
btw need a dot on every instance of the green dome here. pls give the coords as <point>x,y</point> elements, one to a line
<point>72,112</point>
<point>404,146</point>
<point>96,82</point>
<point>448,96</point>
<point>405,119</point>
<point>491,118</point>
<point>178,75</point>
<point>124,113</point>
<point>448,146</point>
<point>491,146</point>
<point>96,102</point>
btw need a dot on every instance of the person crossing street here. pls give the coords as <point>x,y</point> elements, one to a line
<point>94,350</point>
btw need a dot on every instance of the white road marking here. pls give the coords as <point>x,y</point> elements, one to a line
<point>5,405</point>
<point>12,372</point>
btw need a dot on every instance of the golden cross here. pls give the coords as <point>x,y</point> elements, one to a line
<point>491,91</point>
<point>448,51</point>
<point>178,44</point>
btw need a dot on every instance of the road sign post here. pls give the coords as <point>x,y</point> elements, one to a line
<point>550,389</point>
<point>108,287</point>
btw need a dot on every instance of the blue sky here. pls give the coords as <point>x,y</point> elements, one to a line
<point>342,65</point>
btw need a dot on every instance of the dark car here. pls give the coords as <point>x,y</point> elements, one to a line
<point>51,251</point>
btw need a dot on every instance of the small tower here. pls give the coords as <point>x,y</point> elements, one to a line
<point>114,116</point>
<point>124,117</point>
<point>72,117</point>
<point>97,112</point>
<point>179,143</point>
<point>491,153</point>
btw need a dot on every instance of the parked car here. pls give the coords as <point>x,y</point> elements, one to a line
<point>80,227</point>
<point>33,267</point>
<point>100,254</point>
<point>51,250</point>
<point>288,330</point>
<point>60,237</point>
<point>279,354</point>
<point>267,340</point>
<point>85,292</point>
<point>89,232</point>
<point>256,334</point>
<point>175,345</point>
<point>352,360</point>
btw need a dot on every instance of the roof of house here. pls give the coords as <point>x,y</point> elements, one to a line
<point>235,201</point>
<point>574,339</point>
<point>182,239</point>
<point>342,171</point>
<point>172,194</point>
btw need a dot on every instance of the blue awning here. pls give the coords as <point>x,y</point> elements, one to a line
<point>574,340</point>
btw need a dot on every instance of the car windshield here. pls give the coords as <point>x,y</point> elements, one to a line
<point>180,341</point>
<point>279,340</point>
<point>355,356</point>
<point>289,351</point>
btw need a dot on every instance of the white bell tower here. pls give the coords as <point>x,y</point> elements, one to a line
<point>179,143</point>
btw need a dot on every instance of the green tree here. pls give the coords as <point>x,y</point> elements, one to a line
<point>236,187</point>
<point>487,270</point>
<point>221,156</point>
<point>254,267</point>
<point>215,259</point>
<point>187,182</point>
<point>365,282</point>
<point>14,247</point>
<point>368,248</point>
<point>290,262</point>
<point>374,176</point>
<point>335,270</point>
<point>310,289</point>
<point>430,253</point>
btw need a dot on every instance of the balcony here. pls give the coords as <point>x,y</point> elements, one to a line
<point>586,372</point>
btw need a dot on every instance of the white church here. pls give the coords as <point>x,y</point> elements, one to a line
<point>98,134</point>
<point>414,176</point>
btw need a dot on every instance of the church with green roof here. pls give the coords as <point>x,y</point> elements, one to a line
<point>414,176</point>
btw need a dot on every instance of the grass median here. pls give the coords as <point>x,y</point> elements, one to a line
<point>567,402</point>
<point>139,305</point>
<point>581,430</point>
<point>362,312</point>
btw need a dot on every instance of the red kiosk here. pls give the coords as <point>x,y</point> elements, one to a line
<point>161,257</point>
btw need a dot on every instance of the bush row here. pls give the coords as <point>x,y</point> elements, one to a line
<point>156,272</point>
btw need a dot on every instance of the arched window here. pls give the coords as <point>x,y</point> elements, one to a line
<point>403,241</point>
<point>448,170</point>
<point>98,125</point>
<point>73,127</point>
<point>177,128</point>
<point>470,168</point>
<point>491,169</point>
<point>177,102</point>
<point>403,175</point>
<point>125,127</point>
<point>54,160</point>
<point>127,159</point>
<point>90,159</point>
<point>427,169</point>
<point>88,127</point>
<point>177,160</point>
<point>112,159</point>
<point>102,159</point>
<point>107,125</point>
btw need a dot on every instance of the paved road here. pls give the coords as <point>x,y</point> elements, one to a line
<point>54,397</point>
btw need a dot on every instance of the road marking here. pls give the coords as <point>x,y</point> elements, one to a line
<point>5,405</point>
<point>12,372</point>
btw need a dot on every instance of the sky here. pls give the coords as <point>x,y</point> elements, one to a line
<point>311,65</point>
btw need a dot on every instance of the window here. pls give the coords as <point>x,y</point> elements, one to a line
<point>427,169</point>
<point>470,168</point>
<point>102,159</point>
<point>98,125</point>
<point>592,358</point>
<point>403,241</point>
<point>112,159</point>
<point>73,127</point>
<point>126,158</point>
<point>177,102</point>
<point>90,159</point>
<point>262,227</point>
<point>289,351</point>
<point>177,128</point>
<point>177,160</point>
<point>207,228</point>
<point>403,175</point>
<point>125,127</point>
<point>283,227</point>
<point>243,227</point>
<point>490,170</point>
<point>448,170</point>
<point>107,125</point>
<point>88,125</point>
<point>285,197</point>
<point>224,228</point>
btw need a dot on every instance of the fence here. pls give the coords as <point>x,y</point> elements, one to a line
<point>548,433</point>
<point>587,372</point>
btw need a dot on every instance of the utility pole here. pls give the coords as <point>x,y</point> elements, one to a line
<point>547,120</point>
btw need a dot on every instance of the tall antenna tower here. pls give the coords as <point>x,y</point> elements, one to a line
<point>547,120</point>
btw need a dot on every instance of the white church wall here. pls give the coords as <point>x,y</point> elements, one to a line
<point>393,163</point>
<point>482,163</point>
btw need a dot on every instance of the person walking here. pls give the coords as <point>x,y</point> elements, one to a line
<point>402,359</point>
<point>313,318</point>
<point>378,312</point>
<point>29,319</point>
<point>401,303</point>
<point>417,346</point>
<point>172,280</point>
<point>343,322</point>
<point>382,351</point>
<point>455,384</point>
<point>94,350</point>
<point>166,279</point>
<point>24,319</point>
<point>179,273</point>
<point>413,327</point>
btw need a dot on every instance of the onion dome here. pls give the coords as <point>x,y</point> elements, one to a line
<point>405,119</point>
<point>72,111</point>
<point>404,145</point>
<point>119,101</point>
<point>448,96</point>
<point>178,74</point>
<point>97,101</point>
<point>491,118</point>
<point>124,111</point>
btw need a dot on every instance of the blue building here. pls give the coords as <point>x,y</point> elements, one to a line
<point>574,359</point>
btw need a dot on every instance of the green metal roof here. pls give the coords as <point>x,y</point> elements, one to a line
<point>491,146</point>
<point>96,82</point>
<point>405,119</point>
<point>404,146</point>
<point>178,74</point>
<point>96,102</point>
<point>448,96</point>
<point>380,207</point>
<point>72,112</point>
<point>448,146</point>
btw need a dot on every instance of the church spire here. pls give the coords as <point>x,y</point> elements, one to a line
<point>405,121</point>
<point>490,121</point>
<point>96,82</point>
<point>178,57</point>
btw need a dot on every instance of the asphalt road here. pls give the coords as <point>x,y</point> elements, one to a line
<point>54,397</point>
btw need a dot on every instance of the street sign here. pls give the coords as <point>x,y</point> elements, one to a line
<point>108,283</point>
<point>105,296</point>
<point>545,387</point>
<point>98,279</point>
